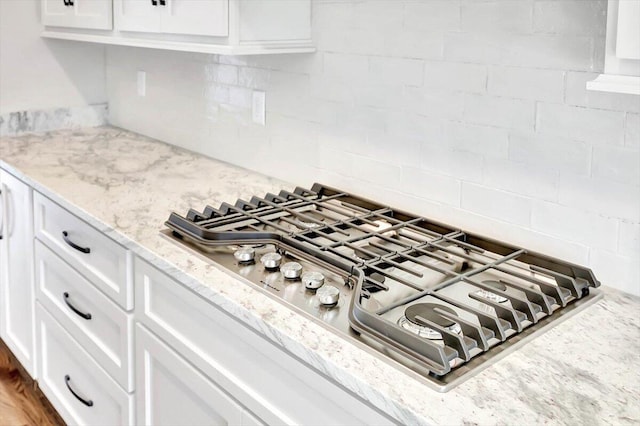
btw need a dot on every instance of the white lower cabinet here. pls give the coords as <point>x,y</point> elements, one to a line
<point>16,270</point>
<point>172,392</point>
<point>80,390</point>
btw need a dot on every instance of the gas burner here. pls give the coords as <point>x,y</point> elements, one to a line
<point>271,261</point>
<point>291,270</point>
<point>490,295</point>
<point>425,310</point>
<point>244,254</point>
<point>328,296</point>
<point>313,280</point>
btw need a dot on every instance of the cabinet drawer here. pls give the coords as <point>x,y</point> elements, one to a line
<point>172,392</point>
<point>75,384</point>
<point>99,325</point>
<point>274,385</point>
<point>103,261</point>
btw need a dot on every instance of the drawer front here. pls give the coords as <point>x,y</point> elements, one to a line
<point>172,392</point>
<point>75,384</point>
<point>103,261</point>
<point>274,385</point>
<point>98,324</point>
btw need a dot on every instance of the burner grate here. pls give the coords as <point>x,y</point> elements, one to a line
<point>408,259</point>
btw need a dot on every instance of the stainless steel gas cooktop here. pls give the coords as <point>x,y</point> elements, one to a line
<point>421,295</point>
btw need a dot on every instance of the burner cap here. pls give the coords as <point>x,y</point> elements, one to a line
<point>425,310</point>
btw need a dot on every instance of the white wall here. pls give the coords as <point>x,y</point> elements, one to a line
<point>41,74</point>
<point>471,112</point>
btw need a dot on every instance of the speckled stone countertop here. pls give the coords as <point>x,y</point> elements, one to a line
<point>586,370</point>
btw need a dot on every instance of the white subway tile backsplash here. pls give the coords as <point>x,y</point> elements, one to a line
<point>531,180</point>
<point>487,141</point>
<point>574,224</point>
<point>589,125</point>
<point>497,111</point>
<point>555,153</point>
<point>472,112</point>
<point>632,130</point>
<point>607,198</point>
<point>393,71</point>
<point>387,14</point>
<point>616,270</point>
<point>575,17</point>
<point>526,83</point>
<point>496,204</point>
<point>576,93</point>
<point>438,157</point>
<point>619,164</point>
<point>345,67</point>
<point>432,15</point>
<point>433,186</point>
<point>629,237</point>
<point>436,103</point>
<point>456,76</point>
<point>497,16</point>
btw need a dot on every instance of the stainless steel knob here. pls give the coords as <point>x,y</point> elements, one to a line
<point>328,295</point>
<point>313,280</point>
<point>244,255</point>
<point>271,260</point>
<point>291,270</point>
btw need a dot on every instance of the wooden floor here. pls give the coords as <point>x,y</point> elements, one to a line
<point>20,402</point>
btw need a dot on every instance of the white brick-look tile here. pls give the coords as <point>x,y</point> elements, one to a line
<point>433,186</point>
<point>632,130</point>
<point>576,17</point>
<point>432,15</point>
<point>556,153</point>
<point>574,224</point>
<point>629,237</point>
<point>471,112</point>
<point>530,180</point>
<point>526,83</point>
<point>497,204</point>
<point>590,125</point>
<point>395,71</point>
<point>607,198</point>
<point>487,141</point>
<point>616,270</point>
<point>456,76</point>
<point>576,93</point>
<point>497,111</point>
<point>497,16</point>
<point>619,164</point>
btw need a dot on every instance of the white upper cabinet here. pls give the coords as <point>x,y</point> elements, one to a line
<point>89,14</point>
<point>227,27</point>
<point>622,51</point>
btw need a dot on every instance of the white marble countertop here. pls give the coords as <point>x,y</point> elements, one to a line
<point>586,370</point>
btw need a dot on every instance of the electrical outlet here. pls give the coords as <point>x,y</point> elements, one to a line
<point>258,109</point>
<point>142,83</point>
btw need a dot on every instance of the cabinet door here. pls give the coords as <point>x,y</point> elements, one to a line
<point>196,17</point>
<point>137,15</point>
<point>16,277</point>
<point>171,392</point>
<point>92,14</point>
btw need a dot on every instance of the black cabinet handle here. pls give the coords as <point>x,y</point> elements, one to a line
<point>154,2</point>
<point>70,2</point>
<point>73,308</point>
<point>66,2</point>
<point>65,236</point>
<point>88,403</point>
<point>163,3</point>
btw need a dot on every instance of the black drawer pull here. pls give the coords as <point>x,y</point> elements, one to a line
<point>88,403</point>
<point>163,3</point>
<point>154,2</point>
<point>65,236</point>
<point>74,309</point>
